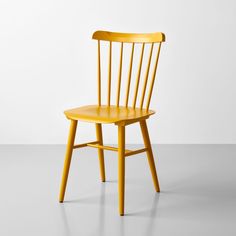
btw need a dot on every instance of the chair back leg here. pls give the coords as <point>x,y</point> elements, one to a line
<point>151,161</point>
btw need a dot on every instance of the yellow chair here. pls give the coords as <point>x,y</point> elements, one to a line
<point>119,115</point>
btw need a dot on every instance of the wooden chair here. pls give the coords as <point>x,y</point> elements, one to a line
<point>119,115</point>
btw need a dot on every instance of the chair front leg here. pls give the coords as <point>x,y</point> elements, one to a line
<point>121,168</point>
<point>151,161</point>
<point>69,150</point>
<point>100,152</point>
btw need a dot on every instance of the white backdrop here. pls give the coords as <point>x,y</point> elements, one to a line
<point>48,64</point>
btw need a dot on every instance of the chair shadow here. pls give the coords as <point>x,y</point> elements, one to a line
<point>100,229</point>
<point>65,220</point>
<point>150,213</point>
<point>112,181</point>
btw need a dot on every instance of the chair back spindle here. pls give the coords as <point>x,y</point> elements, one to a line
<point>129,76</point>
<point>119,76</point>
<point>109,75</point>
<point>146,76</point>
<point>138,76</point>
<point>99,74</point>
<point>153,77</point>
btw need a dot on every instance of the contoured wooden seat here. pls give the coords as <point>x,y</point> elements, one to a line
<point>119,114</point>
<point>108,114</point>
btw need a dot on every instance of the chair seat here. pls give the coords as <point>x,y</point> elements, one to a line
<point>107,114</point>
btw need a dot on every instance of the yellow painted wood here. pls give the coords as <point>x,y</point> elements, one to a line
<point>150,157</point>
<point>129,37</point>
<point>83,144</point>
<point>129,77</point>
<point>114,149</point>
<point>153,77</point>
<point>138,76</point>
<point>109,148</point>
<point>146,76</point>
<point>119,115</point>
<point>69,150</point>
<point>100,152</point>
<point>107,114</point>
<point>99,74</point>
<point>131,153</point>
<point>109,75</point>
<point>121,168</point>
<point>119,76</point>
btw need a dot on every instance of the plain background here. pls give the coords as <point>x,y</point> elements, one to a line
<point>48,64</point>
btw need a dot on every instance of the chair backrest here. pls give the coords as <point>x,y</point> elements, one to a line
<point>151,39</point>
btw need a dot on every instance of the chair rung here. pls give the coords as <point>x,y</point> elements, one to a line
<point>127,152</point>
<point>130,152</point>
<point>84,144</point>
<point>103,147</point>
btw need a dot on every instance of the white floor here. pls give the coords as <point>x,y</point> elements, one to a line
<point>198,192</point>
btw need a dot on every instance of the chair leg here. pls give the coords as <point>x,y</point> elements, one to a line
<point>100,152</point>
<point>121,168</point>
<point>151,161</point>
<point>69,150</point>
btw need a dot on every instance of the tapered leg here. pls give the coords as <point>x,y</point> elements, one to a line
<point>151,161</point>
<point>100,152</point>
<point>69,150</point>
<point>121,168</point>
